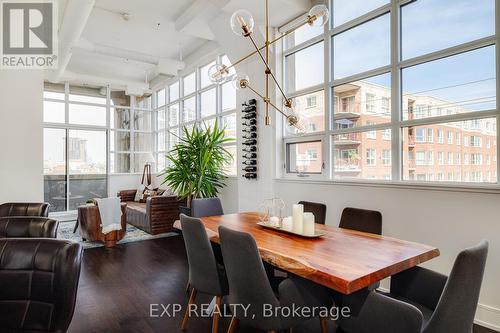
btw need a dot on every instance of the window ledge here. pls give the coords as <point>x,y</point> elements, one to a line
<point>470,188</point>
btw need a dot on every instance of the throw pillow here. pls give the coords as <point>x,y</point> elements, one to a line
<point>140,193</point>
<point>168,192</point>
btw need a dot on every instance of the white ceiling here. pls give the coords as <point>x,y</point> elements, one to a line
<point>136,40</point>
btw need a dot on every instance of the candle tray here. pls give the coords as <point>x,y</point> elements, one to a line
<point>317,233</point>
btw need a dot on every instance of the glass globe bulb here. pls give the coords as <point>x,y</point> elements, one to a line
<point>319,15</point>
<point>218,73</point>
<point>240,81</point>
<point>242,22</point>
<point>295,124</point>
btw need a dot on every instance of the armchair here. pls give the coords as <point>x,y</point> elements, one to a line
<point>24,209</point>
<point>28,227</point>
<point>39,279</point>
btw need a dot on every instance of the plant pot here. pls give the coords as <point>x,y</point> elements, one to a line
<point>185,210</point>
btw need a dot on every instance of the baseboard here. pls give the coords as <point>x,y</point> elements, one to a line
<point>486,316</point>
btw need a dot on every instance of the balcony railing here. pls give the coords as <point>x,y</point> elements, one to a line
<point>348,138</point>
<point>81,189</point>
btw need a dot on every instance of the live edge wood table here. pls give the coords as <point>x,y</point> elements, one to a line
<point>343,260</point>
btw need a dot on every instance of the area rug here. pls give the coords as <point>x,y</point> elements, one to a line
<point>65,231</point>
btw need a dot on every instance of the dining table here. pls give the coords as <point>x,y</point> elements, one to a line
<point>341,259</point>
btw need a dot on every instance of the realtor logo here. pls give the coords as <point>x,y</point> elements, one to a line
<point>29,34</point>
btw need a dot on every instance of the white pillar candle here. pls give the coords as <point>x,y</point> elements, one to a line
<point>298,218</point>
<point>287,223</point>
<point>308,224</point>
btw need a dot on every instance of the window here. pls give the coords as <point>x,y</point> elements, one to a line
<point>360,102</point>
<point>304,68</point>
<point>310,111</point>
<point>346,10</point>
<point>371,157</point>
<point>189,84</point>
<point>445,87</point>
<point>424,29</point>
<point>98,131</point>
<point>193,100</point>
<point>370,102</point>
<point>371,49</point>
<point>305,157</point>
<point>311,102</point>
<point>204,77</point>
<point>421,160</point>
<point>440,136</point>
<point>386,157</point>
<point>443,81</point>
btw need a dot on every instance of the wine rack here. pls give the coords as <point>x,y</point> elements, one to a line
<point>249,139</point>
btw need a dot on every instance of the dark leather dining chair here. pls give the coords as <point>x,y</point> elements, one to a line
<point>24,209</point>
<point>361,220</point>
<point>205,274</point>
<point>248,285</point>
<point>424,301</point>
<point>206,207</point>
<point>28,227</point>
<point>39,279</point>
<point>318,210</point>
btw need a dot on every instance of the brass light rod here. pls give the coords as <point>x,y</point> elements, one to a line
<point>268,69</point>
<point>266,100</point>
<point>308,20</point>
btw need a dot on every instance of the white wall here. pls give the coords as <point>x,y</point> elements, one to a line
<point>21,135</point>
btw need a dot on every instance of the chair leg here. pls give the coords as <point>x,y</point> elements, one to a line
<point>188,285</point>
<point>186,315</point>
<point>215,320</point>
<point>232,325</point>
<point>323,322</point>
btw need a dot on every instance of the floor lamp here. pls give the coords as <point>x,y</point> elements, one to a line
<point>146,174</point>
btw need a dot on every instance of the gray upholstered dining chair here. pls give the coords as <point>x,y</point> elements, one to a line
<point>318,210</point>
<point>206,207</point>
<point>205,274</point>
<point>248,285</point>
<point>423,301</point>
<point>361,220</point>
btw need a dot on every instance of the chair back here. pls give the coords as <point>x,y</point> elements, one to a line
<point>457,306</point>
<point>206,207</point>
<point>318,210</point>
<point>248,282</point>
<point>28,227</point>
<point>361,220</point>
<point>24,209</point>
<point>204,274</point>
<point>39,279</point>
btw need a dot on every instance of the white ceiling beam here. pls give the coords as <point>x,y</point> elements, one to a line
<point>194,20</point>
<point>161,65</point>
<point>75,19</point>
<point>132,86</point>
<point>190,14</point>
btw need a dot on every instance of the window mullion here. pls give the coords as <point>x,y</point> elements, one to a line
<point>396,154</point>
<point>497,62</point>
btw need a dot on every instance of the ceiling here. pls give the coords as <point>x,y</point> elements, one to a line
<point>131,41</point>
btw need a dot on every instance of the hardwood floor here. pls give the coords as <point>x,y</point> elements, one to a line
<point>118,285</point>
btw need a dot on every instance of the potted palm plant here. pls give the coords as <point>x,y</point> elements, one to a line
<point>196,168</point>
